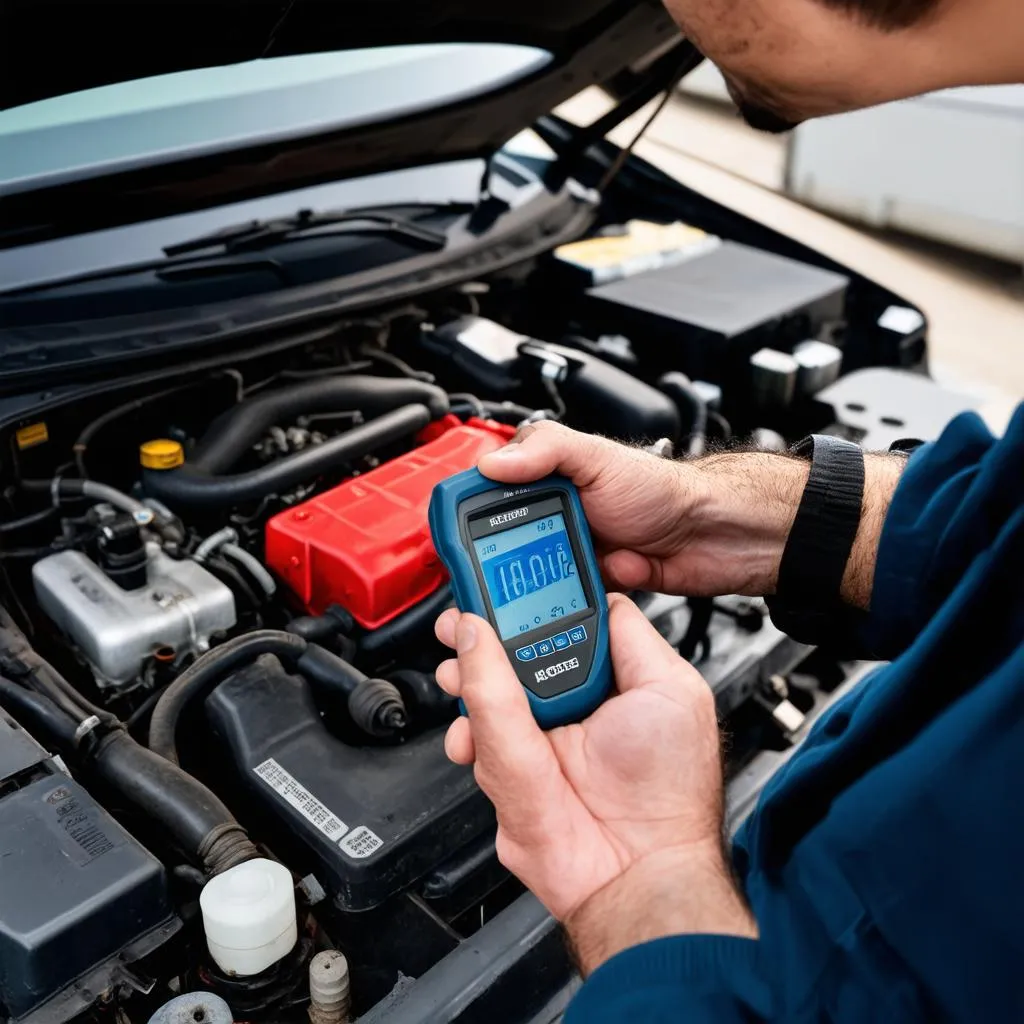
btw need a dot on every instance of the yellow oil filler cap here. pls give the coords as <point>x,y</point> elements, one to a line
<point>161,454</point>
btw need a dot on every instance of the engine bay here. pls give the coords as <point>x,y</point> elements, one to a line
<point>216,647</point>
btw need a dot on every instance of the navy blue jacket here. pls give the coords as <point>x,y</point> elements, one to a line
<point>885,861</point>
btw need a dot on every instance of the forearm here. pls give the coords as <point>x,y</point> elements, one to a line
<point>749,500</point>
<point>673,892</point>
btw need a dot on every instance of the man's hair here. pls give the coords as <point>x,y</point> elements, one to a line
<point>888,14</point>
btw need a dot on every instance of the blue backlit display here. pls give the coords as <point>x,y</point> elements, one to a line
<point>531,575</point>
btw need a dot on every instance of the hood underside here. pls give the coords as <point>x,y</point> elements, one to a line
<point>55,48</point>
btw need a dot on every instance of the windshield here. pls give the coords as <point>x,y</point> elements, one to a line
<point>192,112</point>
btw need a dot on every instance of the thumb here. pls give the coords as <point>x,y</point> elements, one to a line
<point>510,746</point>
<point>640,654</point>
<point>544,448</point>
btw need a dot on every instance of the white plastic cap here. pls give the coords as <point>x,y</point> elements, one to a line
<point>249,916</point>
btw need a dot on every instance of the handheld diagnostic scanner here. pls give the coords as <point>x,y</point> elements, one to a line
<point>522,558</point>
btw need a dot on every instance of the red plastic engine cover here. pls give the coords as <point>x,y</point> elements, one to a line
<point>366,544</point>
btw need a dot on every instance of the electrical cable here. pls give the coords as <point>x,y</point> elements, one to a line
<point>33,519</point>
<point>90,430</point>
<point>400,365</point>
<point>624,154</point>
<point>557,405</point>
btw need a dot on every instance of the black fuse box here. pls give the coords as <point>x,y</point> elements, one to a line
<point>76,890</point>
<point>708,314</point>
<point>368,821</point>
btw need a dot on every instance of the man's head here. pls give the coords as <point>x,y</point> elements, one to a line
<point>789,60</point>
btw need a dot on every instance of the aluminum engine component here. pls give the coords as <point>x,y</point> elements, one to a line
<point>181,606</point>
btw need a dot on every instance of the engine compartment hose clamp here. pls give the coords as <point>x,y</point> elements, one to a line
<point>86,727</point>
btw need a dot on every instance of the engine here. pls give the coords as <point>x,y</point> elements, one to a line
<point>222,772</point>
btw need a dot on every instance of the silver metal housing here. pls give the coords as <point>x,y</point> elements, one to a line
<point>115,630</point>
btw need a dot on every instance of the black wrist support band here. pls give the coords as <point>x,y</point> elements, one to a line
<point>821,539</point>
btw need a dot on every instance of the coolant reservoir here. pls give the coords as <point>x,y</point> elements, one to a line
<point>249,916</point>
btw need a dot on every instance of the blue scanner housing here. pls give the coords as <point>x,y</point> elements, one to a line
<point>521,557</point>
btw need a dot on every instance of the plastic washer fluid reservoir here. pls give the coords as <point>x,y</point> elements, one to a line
<point>249,916</point>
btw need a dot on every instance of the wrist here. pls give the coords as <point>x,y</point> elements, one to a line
<point>881,476</point>
<point>747,501</point>
<point>686,890</point>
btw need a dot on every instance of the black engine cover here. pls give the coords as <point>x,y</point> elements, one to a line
<point>367,821</point>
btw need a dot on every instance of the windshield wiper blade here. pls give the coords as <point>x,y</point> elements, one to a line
<point>258,234</point>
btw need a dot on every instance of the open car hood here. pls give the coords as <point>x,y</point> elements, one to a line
<point>62,48</point>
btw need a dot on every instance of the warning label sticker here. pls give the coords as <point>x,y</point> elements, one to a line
<point>85,837</point>
<point>290,789</point>
<point>361,842</point>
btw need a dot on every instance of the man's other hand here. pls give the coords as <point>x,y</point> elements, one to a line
<point>590,811</point>
<point>702,527</point>
<point>676,527</point>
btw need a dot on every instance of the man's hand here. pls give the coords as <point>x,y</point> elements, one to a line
<point>716,525</point>
<point>597,818</point>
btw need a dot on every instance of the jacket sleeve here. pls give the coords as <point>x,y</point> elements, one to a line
<point>951,499</point>
<point>700,979</point>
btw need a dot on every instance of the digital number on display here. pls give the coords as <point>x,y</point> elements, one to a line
<point>531,575</point>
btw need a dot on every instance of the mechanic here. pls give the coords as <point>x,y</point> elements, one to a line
<point>879,878</point>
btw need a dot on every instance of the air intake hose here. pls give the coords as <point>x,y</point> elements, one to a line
<point>233,433</point>
<point>190,485</point>
<point>201,825</point>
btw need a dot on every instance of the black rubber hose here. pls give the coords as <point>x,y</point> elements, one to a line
<point>191,486</point>
<point>235,431</point>
<point>205,672</point>
<point>201,826</point>
<point>317,628</point>
<point>37,712</point>
<point>427,703</point>
<point>19,658</point>
<point>393,635</point>
<point>374,705</point>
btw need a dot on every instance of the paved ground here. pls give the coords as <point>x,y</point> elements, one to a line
<point>975,305</point>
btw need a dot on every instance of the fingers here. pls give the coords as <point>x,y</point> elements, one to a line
<point>548,447</point>
<point>629,570</point>
<point>458,742</point>
<point>447,675</point>
<point>640,654</point>
<point>509,746</point>
<point>444,627</point>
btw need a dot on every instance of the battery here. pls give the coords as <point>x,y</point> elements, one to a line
<point>365,544</point>
<point>708,314</point>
